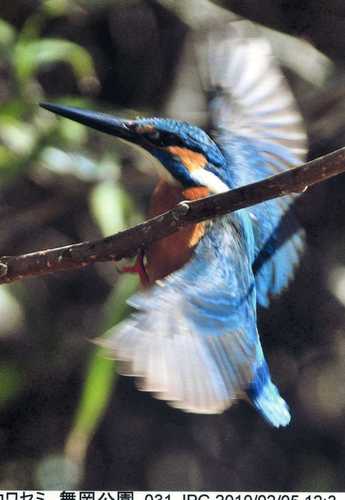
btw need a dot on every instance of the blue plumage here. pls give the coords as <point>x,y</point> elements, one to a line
<point>266,399</point>
<point>192,339</point>
<point>198,325</point>
<point>190,136</point>
<point>278,237</point>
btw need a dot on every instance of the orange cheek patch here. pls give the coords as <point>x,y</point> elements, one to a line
<point>190,159</point>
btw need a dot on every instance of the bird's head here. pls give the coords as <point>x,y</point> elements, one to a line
<point>190,156</point>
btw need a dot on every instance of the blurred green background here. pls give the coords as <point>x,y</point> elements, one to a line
<point>66,421</point>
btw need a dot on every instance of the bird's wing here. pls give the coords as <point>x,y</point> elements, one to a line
<point>192,339</point>
<point>254,117</point>
<point>248,94</point>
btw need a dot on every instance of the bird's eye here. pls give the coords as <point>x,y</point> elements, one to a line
<point>161,138</point>
<point>153,136</point>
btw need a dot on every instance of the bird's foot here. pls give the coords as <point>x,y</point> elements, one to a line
<point>138,268</point>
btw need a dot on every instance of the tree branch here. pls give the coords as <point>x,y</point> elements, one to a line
<point>127,243</point>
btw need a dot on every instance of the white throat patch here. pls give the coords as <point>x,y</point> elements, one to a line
<point>209,180</point>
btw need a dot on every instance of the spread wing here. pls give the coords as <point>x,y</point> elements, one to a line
<point>248,95</point>
<point>254,117</point>
<point>192,339</point>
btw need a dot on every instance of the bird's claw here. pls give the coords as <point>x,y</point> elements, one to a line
<point>137,268</point>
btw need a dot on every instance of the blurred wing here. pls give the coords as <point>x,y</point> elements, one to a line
<point>249,97</point>
<point>254,118</point>
<point>193,339</point>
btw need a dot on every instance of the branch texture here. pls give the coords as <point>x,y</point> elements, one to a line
<point>127,243</point>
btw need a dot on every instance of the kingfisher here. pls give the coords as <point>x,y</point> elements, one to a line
<point>192,339</point>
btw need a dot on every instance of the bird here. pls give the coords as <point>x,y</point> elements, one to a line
<point>192,338</point>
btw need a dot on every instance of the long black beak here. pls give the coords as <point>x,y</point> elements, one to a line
<point>99,121</point>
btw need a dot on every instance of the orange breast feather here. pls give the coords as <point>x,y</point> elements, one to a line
<point>171,253</point>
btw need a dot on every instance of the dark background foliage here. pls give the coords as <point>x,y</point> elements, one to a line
<point>65,420</point>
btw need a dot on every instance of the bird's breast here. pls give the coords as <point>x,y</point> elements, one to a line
<point>171,253</point>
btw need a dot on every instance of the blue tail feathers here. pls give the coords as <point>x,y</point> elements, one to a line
<point>266,398</point>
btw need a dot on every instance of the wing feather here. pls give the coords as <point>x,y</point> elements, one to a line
<point>248,92</point>
<point>253,116</point>
<point>192,339</point>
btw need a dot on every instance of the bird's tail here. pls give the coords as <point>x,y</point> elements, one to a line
<point>265,397</point>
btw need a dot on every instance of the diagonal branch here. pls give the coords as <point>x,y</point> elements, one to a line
<point>127,243</point>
